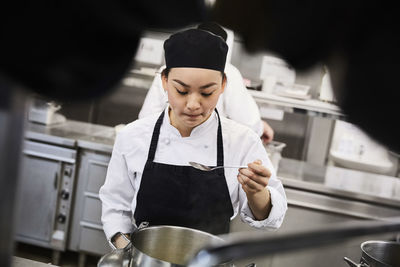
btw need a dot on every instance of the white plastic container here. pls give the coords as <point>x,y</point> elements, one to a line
<point>274,151</point>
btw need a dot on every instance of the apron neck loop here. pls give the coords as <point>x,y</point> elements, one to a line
<point>156,133</point>
<point>154,139</point>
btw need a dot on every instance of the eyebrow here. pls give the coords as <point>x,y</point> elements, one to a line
<point>188,86</point>
<point>181,83</point>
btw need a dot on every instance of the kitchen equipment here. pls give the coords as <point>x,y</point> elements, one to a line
<point>352,148</point>
<point>161,246</point>
<point>44,112</point>
<point>377,254</point>
<point>46,191</point>
<point>207,168</point>
<point>278,68</point>
<point>326,92</point>
<point>298,91</point>
<point>274,151</point>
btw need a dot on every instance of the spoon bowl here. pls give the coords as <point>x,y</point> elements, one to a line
<point>207,168</point>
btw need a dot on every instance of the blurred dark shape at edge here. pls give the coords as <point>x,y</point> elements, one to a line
<point>77,50</point>
<point>357,40</point>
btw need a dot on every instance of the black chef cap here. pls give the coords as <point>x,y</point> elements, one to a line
<point>195,48</point>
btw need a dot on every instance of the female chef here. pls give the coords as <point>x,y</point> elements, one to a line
<point>149,178</point>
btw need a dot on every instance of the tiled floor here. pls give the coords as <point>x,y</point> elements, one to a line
<point>67,259</point>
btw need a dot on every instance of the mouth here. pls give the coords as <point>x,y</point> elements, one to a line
<point>193,115</point>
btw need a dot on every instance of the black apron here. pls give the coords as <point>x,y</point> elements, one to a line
<point>182,195</point>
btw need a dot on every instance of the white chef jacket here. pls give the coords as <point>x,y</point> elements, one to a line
<point>241,146</point>
<point>235,103</point>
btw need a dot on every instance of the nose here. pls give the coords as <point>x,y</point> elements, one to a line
<point>193,102</point>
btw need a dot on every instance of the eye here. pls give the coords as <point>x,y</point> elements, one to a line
<point>181,92</point>
<point>206,94</point>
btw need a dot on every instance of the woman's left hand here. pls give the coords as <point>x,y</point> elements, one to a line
<point>254,181</point>
<point>255,178</point>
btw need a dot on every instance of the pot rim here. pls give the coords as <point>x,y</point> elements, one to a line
<point>134,249</point>
<point>369,257</point>
<point>176,227</point>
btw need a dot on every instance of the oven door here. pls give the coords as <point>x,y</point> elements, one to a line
<point>44,196</point>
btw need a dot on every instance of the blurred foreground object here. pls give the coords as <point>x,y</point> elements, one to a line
<point>77,50</point>
<point>66,50</point>
<point>357,40</point>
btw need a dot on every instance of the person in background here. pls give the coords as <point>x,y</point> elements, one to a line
<point>235,103</point>
<point>149,178</point>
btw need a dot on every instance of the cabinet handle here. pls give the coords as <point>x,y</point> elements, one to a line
<point>55,180</point>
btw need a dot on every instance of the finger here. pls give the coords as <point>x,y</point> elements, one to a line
<point>257,176</point>
<point>240,179</point>
<point>251,183</point>
<point>249,173</point>
<point>259,169</point>
<point>247,189</point>
<point>262,180</point>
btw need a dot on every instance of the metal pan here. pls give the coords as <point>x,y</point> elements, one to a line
<point>378,254</point>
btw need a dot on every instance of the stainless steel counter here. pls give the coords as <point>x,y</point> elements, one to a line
<point>73,134</point>
<point>336,181</point>
<point>328,180</point>
<point>22,262</point>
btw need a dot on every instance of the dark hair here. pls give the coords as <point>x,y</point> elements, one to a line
<point>166,71</point>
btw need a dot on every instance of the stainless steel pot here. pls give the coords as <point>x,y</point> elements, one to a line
<point>161,246</point>
<point>378,254</point>
<point>166,246</point>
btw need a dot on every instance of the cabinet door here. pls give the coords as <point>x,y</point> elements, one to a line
<point>87,231</point>
<point>37,198</point>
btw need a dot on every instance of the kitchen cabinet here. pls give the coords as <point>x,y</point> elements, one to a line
<point>87,234</point>
<point>46,157</point>
<point>45,191</point>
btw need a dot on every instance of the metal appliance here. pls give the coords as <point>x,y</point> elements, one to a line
<point>44,112</point>
<point>377,253</point>
<point>47,175</point>
<point>160,246</point>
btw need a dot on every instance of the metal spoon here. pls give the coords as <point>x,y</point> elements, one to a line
<point>207,169</point>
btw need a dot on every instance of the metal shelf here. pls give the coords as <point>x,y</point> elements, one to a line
<point>311,107</point>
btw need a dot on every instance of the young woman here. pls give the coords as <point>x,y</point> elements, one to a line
<point>235,94</point>
<point>149,178</point>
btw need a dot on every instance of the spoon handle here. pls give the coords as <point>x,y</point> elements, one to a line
<point>236,167</point>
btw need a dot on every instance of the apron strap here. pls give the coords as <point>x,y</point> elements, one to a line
<point>154,139</point>
<point>220,146</point>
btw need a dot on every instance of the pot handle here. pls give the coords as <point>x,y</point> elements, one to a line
<point>353,264</point>
<point>141,226</point>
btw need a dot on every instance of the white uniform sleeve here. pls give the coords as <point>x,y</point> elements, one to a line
<point>275,187</point>
<point>239,105</point>
<point>156,99</point>
<point>116,195</point>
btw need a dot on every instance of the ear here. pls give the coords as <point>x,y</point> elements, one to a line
<point>164,81</point>
<point>223,83</point>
